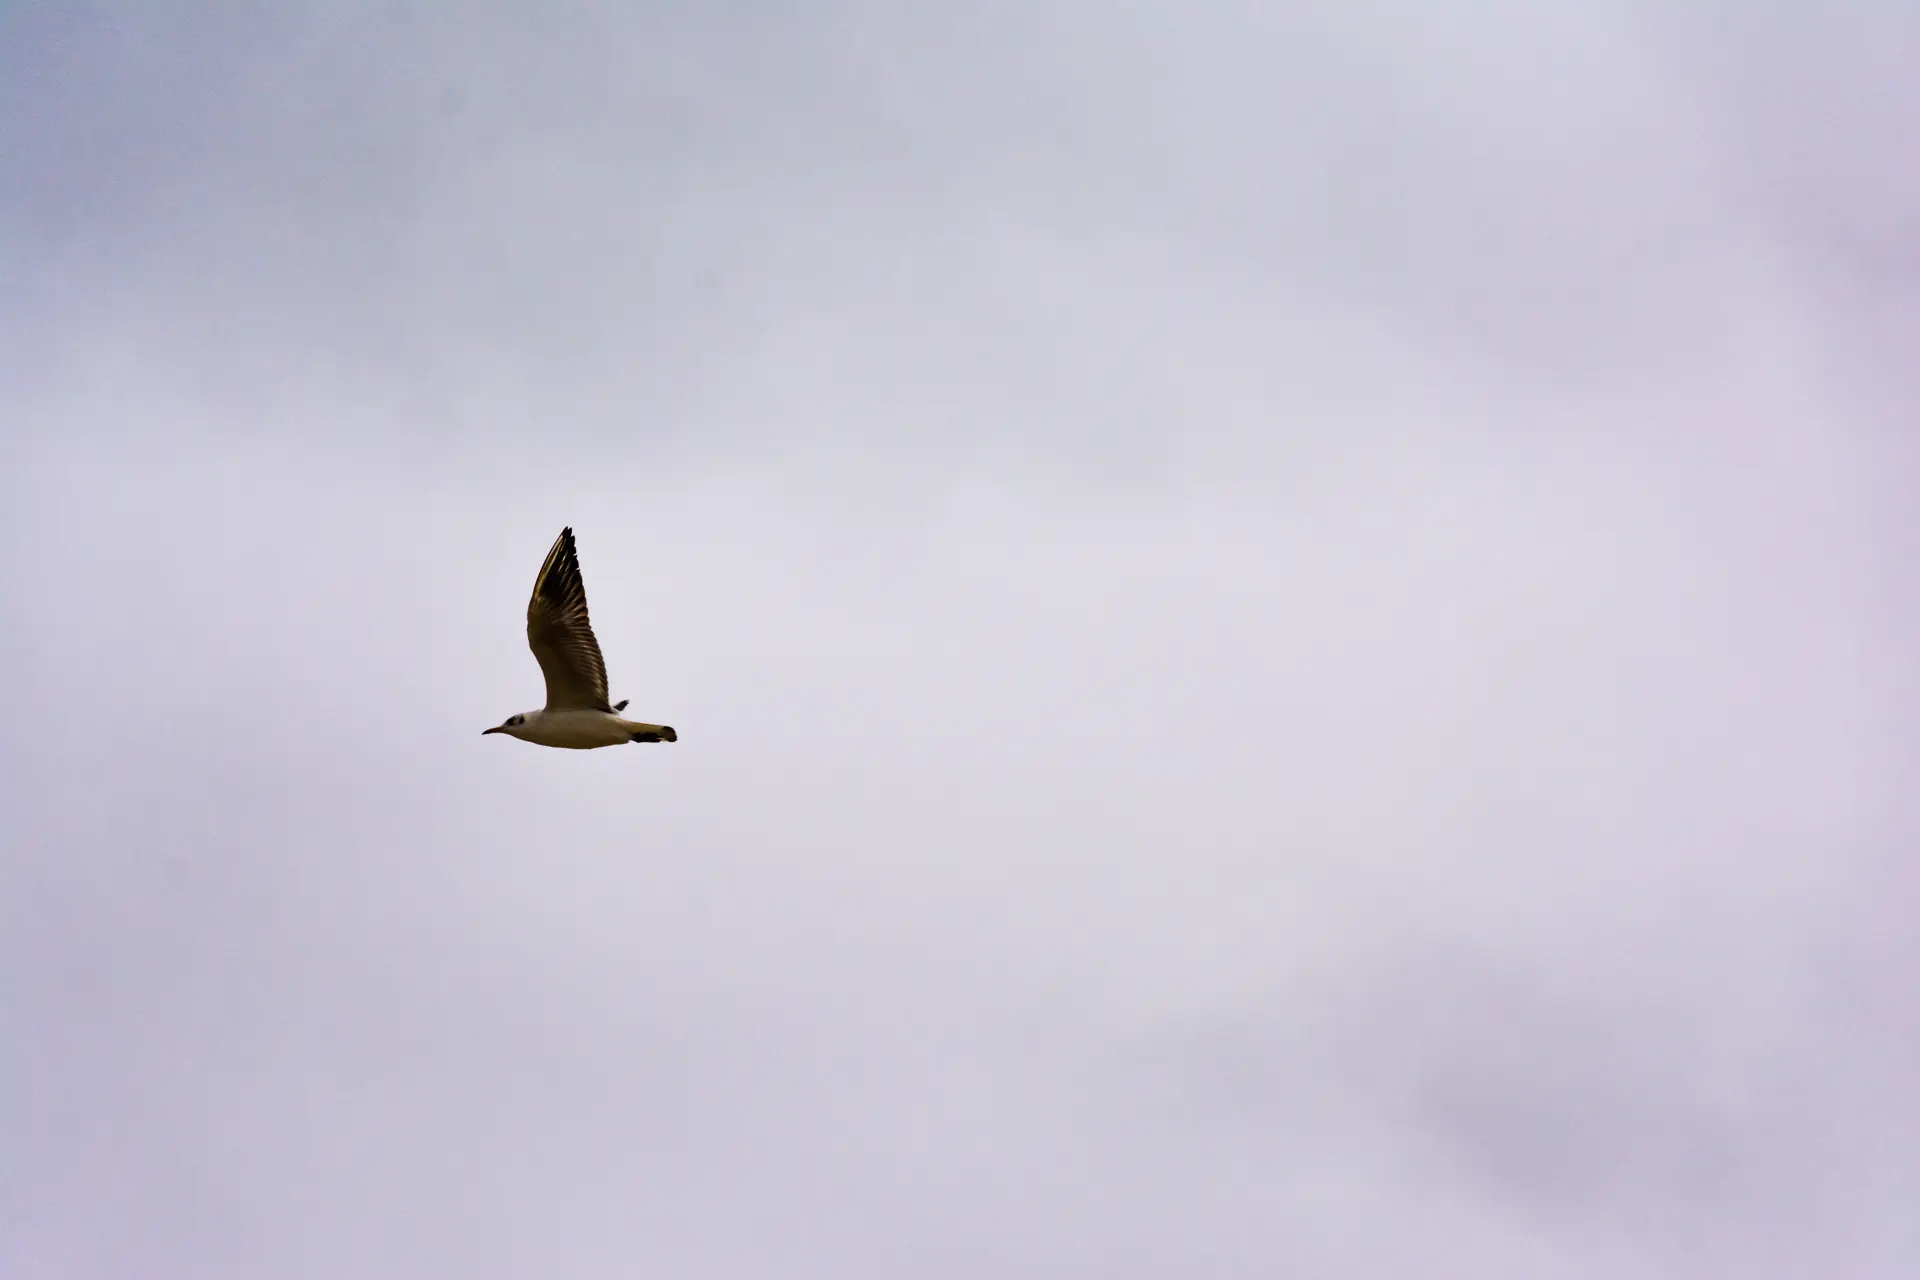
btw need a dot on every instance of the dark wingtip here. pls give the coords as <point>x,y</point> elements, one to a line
<point>666,732</point>
<point>561,572</point>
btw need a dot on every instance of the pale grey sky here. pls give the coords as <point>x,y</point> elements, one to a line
<point>1290,627</point>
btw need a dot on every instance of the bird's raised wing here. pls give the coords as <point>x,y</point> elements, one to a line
<point>560,635</point>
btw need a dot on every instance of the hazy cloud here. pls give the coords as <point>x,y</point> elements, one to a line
<point>1288,628</point>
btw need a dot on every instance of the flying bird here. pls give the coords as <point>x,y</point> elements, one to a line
<point>561,637</point>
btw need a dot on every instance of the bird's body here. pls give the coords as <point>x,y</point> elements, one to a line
<point>577,714</point>
<point>582,728</point>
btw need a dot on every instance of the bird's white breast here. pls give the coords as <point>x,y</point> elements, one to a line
<point>577,729</point>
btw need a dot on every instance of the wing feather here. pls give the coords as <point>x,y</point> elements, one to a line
<point>561,636</point>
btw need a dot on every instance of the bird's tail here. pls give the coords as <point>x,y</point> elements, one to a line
<point>620,706</point>
<point>649,732</point>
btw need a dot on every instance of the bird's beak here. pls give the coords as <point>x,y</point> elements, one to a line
<point>485,732</point>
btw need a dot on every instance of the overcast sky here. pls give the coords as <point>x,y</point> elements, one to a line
<point>1290,625</point>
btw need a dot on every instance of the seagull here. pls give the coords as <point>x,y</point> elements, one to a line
<point>561,637</point>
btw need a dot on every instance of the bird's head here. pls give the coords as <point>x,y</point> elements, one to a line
<point>510,726</point>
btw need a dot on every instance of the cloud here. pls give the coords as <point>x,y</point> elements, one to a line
<point>1285,626</point>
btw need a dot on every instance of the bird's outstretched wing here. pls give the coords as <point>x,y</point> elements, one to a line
<point>561,636</point>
